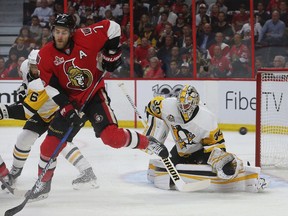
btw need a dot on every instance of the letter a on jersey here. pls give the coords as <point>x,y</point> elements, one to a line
<point>81,54</point>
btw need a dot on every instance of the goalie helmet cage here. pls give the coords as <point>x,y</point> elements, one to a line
<point>272,118</point>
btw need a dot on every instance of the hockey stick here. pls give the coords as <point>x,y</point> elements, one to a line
<point>18,208</point>
<point>178,181</point>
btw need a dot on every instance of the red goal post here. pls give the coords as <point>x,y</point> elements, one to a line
<point>272,118</point>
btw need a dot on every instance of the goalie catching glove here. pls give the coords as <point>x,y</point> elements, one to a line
<point>224,164</point>
<point>111,59</point>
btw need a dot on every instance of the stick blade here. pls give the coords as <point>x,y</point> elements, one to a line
<point>16,209</point>
<point>195,186</point>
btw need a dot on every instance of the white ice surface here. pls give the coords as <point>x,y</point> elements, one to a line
<point>125,191</point>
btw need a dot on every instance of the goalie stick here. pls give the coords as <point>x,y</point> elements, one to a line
<point>18,208</point>
<point>172,171</point>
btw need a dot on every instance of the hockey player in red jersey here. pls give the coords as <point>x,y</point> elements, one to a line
<point>69,68</point>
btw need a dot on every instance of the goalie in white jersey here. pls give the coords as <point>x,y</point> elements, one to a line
<point>198,141</point>
<point>39,110</point>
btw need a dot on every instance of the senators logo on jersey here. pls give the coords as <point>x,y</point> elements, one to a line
<point>79,78</point>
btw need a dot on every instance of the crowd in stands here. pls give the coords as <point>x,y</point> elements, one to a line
<point>163,35</point>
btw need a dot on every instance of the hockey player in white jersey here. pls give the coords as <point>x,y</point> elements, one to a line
<point>39,110</point>
<point>199,151</point>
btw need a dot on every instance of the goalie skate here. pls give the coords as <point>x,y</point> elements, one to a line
<point>86,180</point>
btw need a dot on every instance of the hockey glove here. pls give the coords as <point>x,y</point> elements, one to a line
<point>71,114</point>
<point>21,92</point>
<point>111,59</point>
<point>226,165</point>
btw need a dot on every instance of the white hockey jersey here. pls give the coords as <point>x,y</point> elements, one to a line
<point>201,131</point>
<point>36,99</point>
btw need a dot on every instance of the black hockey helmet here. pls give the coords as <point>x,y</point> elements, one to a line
<point>64,20</point>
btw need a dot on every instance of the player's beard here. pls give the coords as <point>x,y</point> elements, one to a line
<point>61,44</point>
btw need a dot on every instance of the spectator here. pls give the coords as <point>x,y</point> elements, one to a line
<point>161,25</point>
<point>220,4</point>
<point>215,10</point>
<point>246,32</point>
<point>180,23</point>
<point>166,31</point>
<point>154,70</point>
<point>154,15</point>
<point>2,65</point>
<point>173,70</point>
<point>185,71</point>
<point>186,32</point>
<point>177,6</point>
<point>273,5</point>
<point>205,39</point>
<point>279,61</point>
<point>43,12</point>
<point>199,2</point>
<point>224,27</point>
<point>273,31</point>
<point>239,56</point>
<point>141,51</point>
<point>149,34</point>
<point>26,34</point>
<point>186,11</point>
<point>261,14</point>
<point>219,38</point>
<point>283,12</point>
<point>145,62</point>
<point>164,53</point>
<point>35,28</point>
<point>10,64</point>
<point>113,7</point>
<point>202,14</point>
<point>188,48</point>
<point>125,18</point>
<point>220,66</point>
<point>20,48</point>
<point>239,19</point>
<point>15,72</point>
<point>143,21</point>
<point>258,63</point>
<point>74,13</point>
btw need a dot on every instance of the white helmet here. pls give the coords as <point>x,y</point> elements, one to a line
<point>32,57</point>
<point>187,100</point>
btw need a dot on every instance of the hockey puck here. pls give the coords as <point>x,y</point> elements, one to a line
<point>243,130</point>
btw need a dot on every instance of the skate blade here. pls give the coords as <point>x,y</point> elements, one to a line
<point>41,197</point>
<point>86,186</point>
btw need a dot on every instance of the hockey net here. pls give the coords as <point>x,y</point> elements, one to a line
<point>272,119</point>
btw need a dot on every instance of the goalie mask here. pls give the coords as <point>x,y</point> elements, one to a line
<point>187,100</point>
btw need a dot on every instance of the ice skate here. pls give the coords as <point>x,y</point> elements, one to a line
<point>85,180</point>
<point>9,180</point>
<point>12,176</point>
<point>40,192</point>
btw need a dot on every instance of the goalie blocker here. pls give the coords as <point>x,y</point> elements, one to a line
<point>248,179</point>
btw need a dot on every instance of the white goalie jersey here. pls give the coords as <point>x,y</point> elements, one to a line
<point>201,131</point>
<point>36,99</point>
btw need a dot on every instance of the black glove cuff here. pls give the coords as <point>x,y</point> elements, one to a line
<point>61,99</point>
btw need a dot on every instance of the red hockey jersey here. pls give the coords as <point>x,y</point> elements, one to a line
<point>76,71</point>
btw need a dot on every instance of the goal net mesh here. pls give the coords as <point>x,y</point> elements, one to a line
<point>273,118</point>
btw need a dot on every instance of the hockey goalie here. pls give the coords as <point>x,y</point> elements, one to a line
<point>199,152</point>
